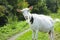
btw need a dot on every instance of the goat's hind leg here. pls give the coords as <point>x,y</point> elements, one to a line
<point>51,34</point>
<point>34,35</point>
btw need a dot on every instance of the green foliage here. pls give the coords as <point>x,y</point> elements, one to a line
<point>52,5</point>
<point>8,9</point>
<point>28,36</point>
<point>3,19</point>
<point>2,10</point>
<point>40,7</point>
<point>3,2</point>
<point>44,6</point>
<point>12,2</point>
<point>55,15</point>
<point>22,4</point>
<point>58,3</point>
<point>11,29</point>
<point>32,2</point>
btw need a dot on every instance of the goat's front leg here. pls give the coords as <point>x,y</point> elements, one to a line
<point>33,35</point>
<point>36,35</point>
<point>51,34</point>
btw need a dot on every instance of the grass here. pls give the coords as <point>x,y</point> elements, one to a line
<point>11,29</point>
<point>55,15</point>
<point>57,31</point>
<point>28,36</point>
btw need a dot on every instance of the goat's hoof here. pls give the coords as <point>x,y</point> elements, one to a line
<point>33,39</point>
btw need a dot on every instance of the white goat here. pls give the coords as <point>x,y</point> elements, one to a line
<point>37,23</point>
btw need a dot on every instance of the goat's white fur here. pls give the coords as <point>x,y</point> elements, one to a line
<point>41,23</point>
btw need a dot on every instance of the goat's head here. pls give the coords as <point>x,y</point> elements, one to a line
<point>25,11</point>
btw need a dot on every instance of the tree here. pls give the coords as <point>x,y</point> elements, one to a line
<point>3,19</point>
<point>52,5</point>
<point>39,6</point>
<point>32,2</point>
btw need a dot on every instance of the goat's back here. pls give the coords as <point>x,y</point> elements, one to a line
<point>42,22</point>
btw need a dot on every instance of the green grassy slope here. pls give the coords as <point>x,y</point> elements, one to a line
<point>11,29</point>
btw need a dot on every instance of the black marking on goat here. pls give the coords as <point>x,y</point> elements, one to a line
<point>49,31</point>
<point>32,19</point>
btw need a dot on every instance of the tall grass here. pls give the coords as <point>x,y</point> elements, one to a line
<point>11,29</point>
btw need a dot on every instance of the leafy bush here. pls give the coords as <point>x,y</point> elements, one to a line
<point>3,19</point>
<point>2,10</point>
<point>10,29</point>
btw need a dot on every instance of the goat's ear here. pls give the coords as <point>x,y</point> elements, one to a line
<point>31,7</point>
<point>18,10</point>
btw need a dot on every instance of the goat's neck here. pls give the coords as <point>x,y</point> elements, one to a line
<point>29,17</point>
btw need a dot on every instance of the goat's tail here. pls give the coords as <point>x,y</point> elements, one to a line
<point>56,20</point>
